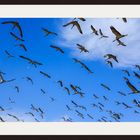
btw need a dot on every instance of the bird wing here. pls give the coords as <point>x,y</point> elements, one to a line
<point>117,33</point>
<point>79,27</point>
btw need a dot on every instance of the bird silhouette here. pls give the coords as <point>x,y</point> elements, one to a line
<point>69,109</point>
<point>102,35</point>
<point>82,19</point>
<point>16,37</point>
<point>82,48</point>
<point>136,75</point>
<point>94,30</point>
<point>127,72</point>
<point>17,88</point>
<point>35,63</point>
<point>13,116</point>
<point>43,91</point>
<point>90,116</point>
<point>109,63</point>
<point>45,74</point>
<point>68,91</point>
<point>15,24</point>
<point>124,20</point>
<point>105,86</point>
<point>2,80</point>
<point>47,32</point>
<point>57,48</point>
<point>60,83</point>
<point>111,56</point>
<point>117,34</point>
<point>74,23</point>
<point>22,46</point>
<point>120,43</point>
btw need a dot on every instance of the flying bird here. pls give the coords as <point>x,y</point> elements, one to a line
<point>68,91</point>
<point>136,75</point>
<point>47,32</point>
<point>124,20</point>
<point>74,23</point>
<point>68,108</point>
<point>82,48</point>
<point>35,63</point>
<point>8,54</point>
<point>131,87</point>
<point>15,24</point>
<point>120,43</point>
<point>102,35</point>
<point>43,91</point>
<point>17,88</point>
<point>60,83</point>
<point>13,117</point>
<point>111,56</point>
<point>94,30</point>
<point>82,19</point>
<point>105,86</point>
<point>2,80</point>
<point>109,63</point>
<point>90,116</point>
<point>22,46</point>
<point>45,74</point>
<point>16,37</point>
<point>57,48</point>
<point>127,72</point>
<point>116,33</point>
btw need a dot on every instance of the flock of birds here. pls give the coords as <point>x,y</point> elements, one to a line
<point>71,88</point>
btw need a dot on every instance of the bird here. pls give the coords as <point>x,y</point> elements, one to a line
<point>90,116</point>
<point>102,35</point>
<point>22,46</point>
<point>79,114</point>
<point>121,93</point>
<point>133,88</point>
<point>47,32</point>
<point>34,108</point>
<point>76,105</point>
<point>68,108</point>
<point>11,101</point>
<point>105,86</point>
<point>105,98</point>
<point>111,56</point>
<point>127,72</point>
<point>74,89</point>
<point>32,62</point>
<point>17,88</point>
<point>15,24</point>
<point>52,99</point>
<point>74,23</point>
<point>1,108</point>
<point>60,83</point>
<point>29,79</point>
<point>43,91</point>
<point>82,48</point>
<point>45,74</point>
<point>2,80</point>
<point>136,75</point>
<point>137,66</point>
<point>13,117</point>
<point>8,54</point>
<point>57,48</point>
<point>1,119</point>
<point>124,20</point>
<point>94,30</point>
<point>30,113</point>
<point>86,67</point>
<point>96,97</point>
<point>117,34</point>
<point>82,107</point>
<point>68,91</point>
<point>101,104</point>
<point>127,106</point>
<point>16,37</point>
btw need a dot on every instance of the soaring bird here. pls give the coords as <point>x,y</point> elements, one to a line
<point>120,43</point>
<point>82,48</point>
<point>124,20</point>
<point>68,108</point>
<point>105,98</point>
<point>68,91</point>
<point>16,37</point>
<point>1,108</point>
<point>47,32</point>
<point>94,30</point>
<point>90,116</point>
<point>86,67</point>
<point>127,72</point>
<point>60,83</point>
<point>1,119</point>
<point>2,80</point>
<point>52,99</point>
<point>102,35</point>
<point>34,108</point>
<point>45,74</point>
<point>82,19</point>
<point>101,104</point>
<point>13,117</point>
<point>43,91</point>
<point>74,89</point>
<point>117,33</point>
<point>17,88</point>
<point>127,106</point>
<point>76,105</point>
<point>111,56</point>
<point>137,75</point>
<point>57,48</point>
<point>15,24</point>
<point>74,23</point>
<point>105,86</point>
<point>96,97</point>
<point>133,89</point>
<point>76,60</point>
<point>11,101</point>
<point>35,63</point>
<point>8,54</point>
<point>29,79</point>
<point>22,46</point>
<point>82,107</point>
<point>79,114</point>
<point>121,93</point>
<point>30,113</point>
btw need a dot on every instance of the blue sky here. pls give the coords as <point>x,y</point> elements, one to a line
<point>62,67</point>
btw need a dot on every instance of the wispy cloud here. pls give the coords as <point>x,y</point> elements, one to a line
<point>127,56</point>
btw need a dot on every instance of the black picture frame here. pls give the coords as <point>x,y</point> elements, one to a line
<point>69,2</point>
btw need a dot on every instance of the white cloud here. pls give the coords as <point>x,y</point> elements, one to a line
<point>99,47</point>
